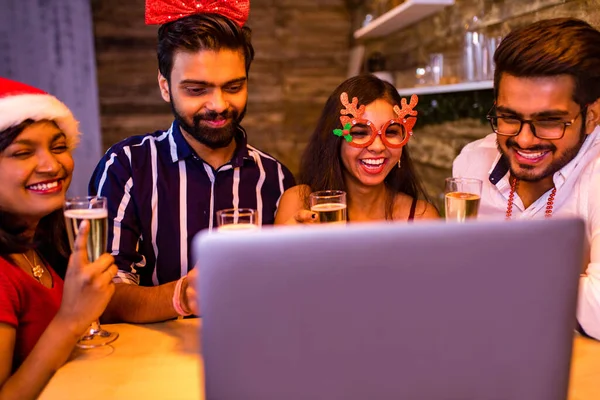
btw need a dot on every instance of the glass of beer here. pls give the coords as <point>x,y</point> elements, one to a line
<point>94,210</point>
<point>330,206</point>
<point>237,219</point>
<point>462,198</point>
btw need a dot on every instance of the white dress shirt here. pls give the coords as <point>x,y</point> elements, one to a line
<point>577,194</point>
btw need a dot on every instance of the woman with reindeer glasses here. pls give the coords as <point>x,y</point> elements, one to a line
<point>360,147</point>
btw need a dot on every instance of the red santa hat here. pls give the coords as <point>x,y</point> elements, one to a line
<point>20,102</point>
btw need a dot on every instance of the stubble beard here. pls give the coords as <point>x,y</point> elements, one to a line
<point>527,172</point>
<point>213,138</point>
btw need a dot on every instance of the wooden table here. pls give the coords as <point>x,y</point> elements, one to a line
<point>161,361</point>
<point>153,361</point>
<point>585,370</point>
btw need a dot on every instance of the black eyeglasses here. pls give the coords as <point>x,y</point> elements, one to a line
<point>551,129</point>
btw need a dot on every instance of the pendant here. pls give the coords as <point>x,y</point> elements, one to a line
<point>37,272</point>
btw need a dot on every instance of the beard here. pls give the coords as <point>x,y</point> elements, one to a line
<point>214,138</point>
<point>528,173</point>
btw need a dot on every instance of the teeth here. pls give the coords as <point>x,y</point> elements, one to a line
<point>375,162</point>
<point>531,156</point>
<point>44,186</point>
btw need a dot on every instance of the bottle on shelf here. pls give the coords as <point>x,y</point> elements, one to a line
<point>478,50</point>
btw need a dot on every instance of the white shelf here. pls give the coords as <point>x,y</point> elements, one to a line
<point>457,87</point>
<point>401,16</point>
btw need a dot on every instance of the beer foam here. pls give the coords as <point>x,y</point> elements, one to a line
<point>94,213</point>
<point>328,207</point>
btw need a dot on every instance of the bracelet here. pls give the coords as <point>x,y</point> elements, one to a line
<point>177,298</point>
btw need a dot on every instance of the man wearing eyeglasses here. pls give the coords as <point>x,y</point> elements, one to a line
<point>543,157</point>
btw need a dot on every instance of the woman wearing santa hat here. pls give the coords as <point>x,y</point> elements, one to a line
<point>41,316</point>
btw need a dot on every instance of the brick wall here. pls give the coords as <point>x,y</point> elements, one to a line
<point>301,56</point>
<point>436,145</point>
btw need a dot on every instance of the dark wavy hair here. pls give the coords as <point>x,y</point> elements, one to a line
<point>201,32</point>
<point>321,166</point>
<point>559,46</point>
<point>50,238</point>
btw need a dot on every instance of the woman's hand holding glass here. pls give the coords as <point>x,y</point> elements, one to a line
<point>329,206</point>
<point>88,285</point>
<point>303,217</point>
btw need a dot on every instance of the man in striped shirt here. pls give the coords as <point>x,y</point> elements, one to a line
<point>164,187</point>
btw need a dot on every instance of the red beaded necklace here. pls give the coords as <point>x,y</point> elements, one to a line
<point>511,198</point>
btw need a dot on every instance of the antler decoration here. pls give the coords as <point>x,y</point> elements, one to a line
<point>350,109</point>
<point>408,109</point>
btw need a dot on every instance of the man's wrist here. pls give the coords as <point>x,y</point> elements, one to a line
<point>183,296</point>
<point>179,299</point>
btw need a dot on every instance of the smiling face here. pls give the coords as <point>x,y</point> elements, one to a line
<point>35,171</point>
<point>370,165</point>
<point>208,94</point>
<point>545,98</point>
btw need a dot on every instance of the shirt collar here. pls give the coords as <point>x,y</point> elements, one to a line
<point>182,150</point>
<point>563,174</point>
<point>500,165</point>
<point>499,169</point>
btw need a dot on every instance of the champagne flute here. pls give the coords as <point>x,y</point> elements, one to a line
<point>236,219</point>
<point>94,210</point>
<point>330,206</point>
<point>462,198</point>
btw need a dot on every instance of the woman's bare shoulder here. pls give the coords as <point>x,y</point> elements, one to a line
<point>296,193</point>
<point>291,202</point>
<point>423,209</point>
<point>426,210</point>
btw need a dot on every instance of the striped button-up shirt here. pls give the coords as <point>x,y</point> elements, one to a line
<point>160,194</point>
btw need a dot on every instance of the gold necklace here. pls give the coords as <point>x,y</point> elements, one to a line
<point>36,269</point>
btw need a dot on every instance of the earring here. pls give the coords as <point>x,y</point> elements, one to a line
<point>399,162</point>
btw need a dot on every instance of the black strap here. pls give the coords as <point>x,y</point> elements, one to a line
<point>413,207</point>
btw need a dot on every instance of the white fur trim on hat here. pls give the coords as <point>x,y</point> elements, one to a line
<point>17,108</point>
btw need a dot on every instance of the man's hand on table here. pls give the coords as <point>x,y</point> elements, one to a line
<point>190,296</point>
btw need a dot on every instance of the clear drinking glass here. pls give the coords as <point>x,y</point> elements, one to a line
<point>236,219</point>
<point>330,206</point>
<point>94,210</point>
<point>436,62</point>
<point>462,198</point>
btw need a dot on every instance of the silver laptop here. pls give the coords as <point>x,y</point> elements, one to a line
<point>390,311</point>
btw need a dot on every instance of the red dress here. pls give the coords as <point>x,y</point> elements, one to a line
<point>27,305</point>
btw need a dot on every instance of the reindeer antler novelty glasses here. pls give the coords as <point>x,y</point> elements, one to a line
<point>360,132</point>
